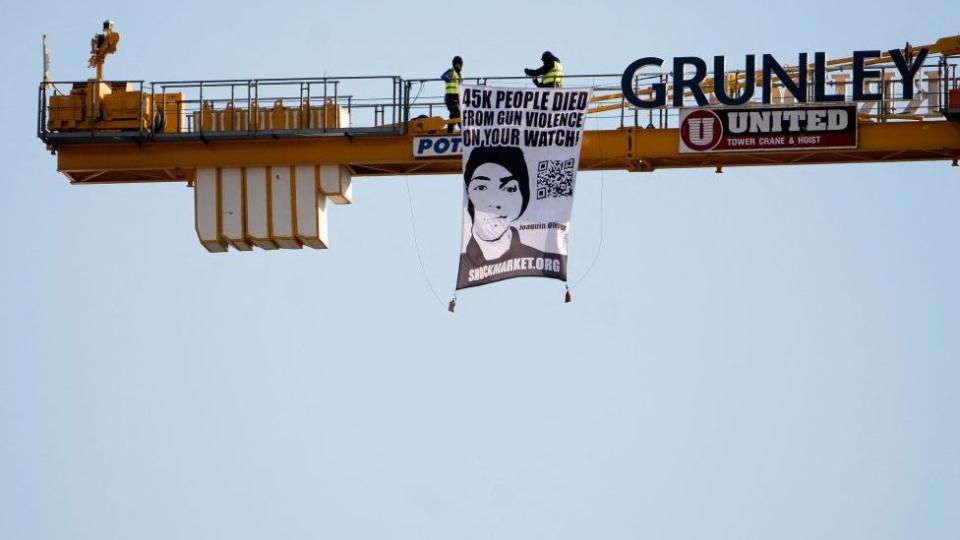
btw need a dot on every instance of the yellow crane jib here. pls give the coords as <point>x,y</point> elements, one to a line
<point>265,156</point>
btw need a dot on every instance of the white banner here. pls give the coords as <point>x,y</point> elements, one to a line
<point>521,152</point>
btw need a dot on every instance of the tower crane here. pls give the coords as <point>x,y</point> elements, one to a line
<point>265,155</point>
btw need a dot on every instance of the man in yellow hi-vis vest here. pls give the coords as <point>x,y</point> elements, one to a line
<point>451,94</point>
<point>550,73</point>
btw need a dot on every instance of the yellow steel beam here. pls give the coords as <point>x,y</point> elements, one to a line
<point>632,149</point>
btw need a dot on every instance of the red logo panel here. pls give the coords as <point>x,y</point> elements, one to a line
<point>701,130</point>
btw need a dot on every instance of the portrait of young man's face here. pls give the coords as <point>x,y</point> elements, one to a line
<point>497,201</point>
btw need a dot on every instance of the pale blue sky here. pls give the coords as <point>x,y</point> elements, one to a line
<point>770,353</point>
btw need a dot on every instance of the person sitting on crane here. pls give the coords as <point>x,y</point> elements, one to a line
<point>451,95</point>
<point>550,73</point>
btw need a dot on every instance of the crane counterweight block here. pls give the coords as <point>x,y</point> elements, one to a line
<point>270,207</point>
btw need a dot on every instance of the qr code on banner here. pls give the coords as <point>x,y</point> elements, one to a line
<point>555,178</point>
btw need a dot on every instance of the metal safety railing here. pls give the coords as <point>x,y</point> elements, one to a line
<point>228,108</point>
<point>425,96</point>
<point>611,109</point>
<point>384,105</point>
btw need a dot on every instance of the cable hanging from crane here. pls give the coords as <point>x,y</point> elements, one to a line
<point>416,244</point>
<point>568,297</point>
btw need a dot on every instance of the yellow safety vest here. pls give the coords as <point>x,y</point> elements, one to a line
<point>555,75</point>
<point>453,87</point>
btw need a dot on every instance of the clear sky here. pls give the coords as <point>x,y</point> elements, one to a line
<point>768,353</point>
